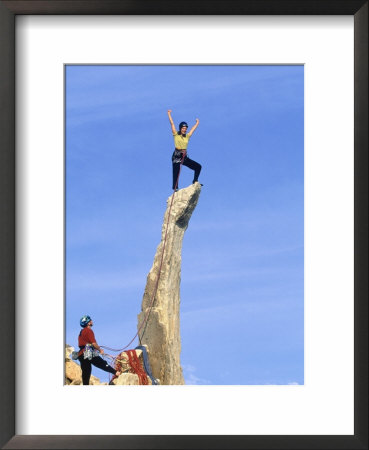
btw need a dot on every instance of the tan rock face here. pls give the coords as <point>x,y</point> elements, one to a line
<point>127,379</point>
<point>161,330</point>
<point>73,372</point>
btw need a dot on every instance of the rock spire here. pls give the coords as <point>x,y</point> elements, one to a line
<point>161,328</point>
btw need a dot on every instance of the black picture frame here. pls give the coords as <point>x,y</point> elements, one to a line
<point>8,11</point>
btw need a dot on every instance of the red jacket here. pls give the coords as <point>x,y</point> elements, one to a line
<point>86,336</point>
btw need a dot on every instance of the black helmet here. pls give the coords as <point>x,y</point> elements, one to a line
<point>183,124</point>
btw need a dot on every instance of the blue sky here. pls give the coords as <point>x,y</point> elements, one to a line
<point>242,288</point>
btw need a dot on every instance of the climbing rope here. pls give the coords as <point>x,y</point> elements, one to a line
<point>146,317</point>
<point>136,367</point>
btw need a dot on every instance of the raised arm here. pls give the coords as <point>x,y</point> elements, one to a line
<point>193,128</point>
<point>171,121</point>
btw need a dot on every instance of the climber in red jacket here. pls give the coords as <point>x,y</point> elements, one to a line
<point>89,351</point>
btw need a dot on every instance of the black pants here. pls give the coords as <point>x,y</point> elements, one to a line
<point>86,366</point>
<point>195,166</point>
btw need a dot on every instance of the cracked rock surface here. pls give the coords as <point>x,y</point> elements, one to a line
<point>162,330</point>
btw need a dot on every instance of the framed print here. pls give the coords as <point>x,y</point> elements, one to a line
<point>52,53</point>
<point>275,202</point>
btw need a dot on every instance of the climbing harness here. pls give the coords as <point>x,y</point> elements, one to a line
<point>90,352</point>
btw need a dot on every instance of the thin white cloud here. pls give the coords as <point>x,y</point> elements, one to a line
<point>189,374</point>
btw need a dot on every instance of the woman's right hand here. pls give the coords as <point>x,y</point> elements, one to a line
<point>169,111</point>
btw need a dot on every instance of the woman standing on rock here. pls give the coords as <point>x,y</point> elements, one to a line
<point>181,138</point>
<point>89,351</point>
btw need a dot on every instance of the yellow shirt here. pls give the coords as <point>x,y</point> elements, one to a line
<point>180,141</point>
